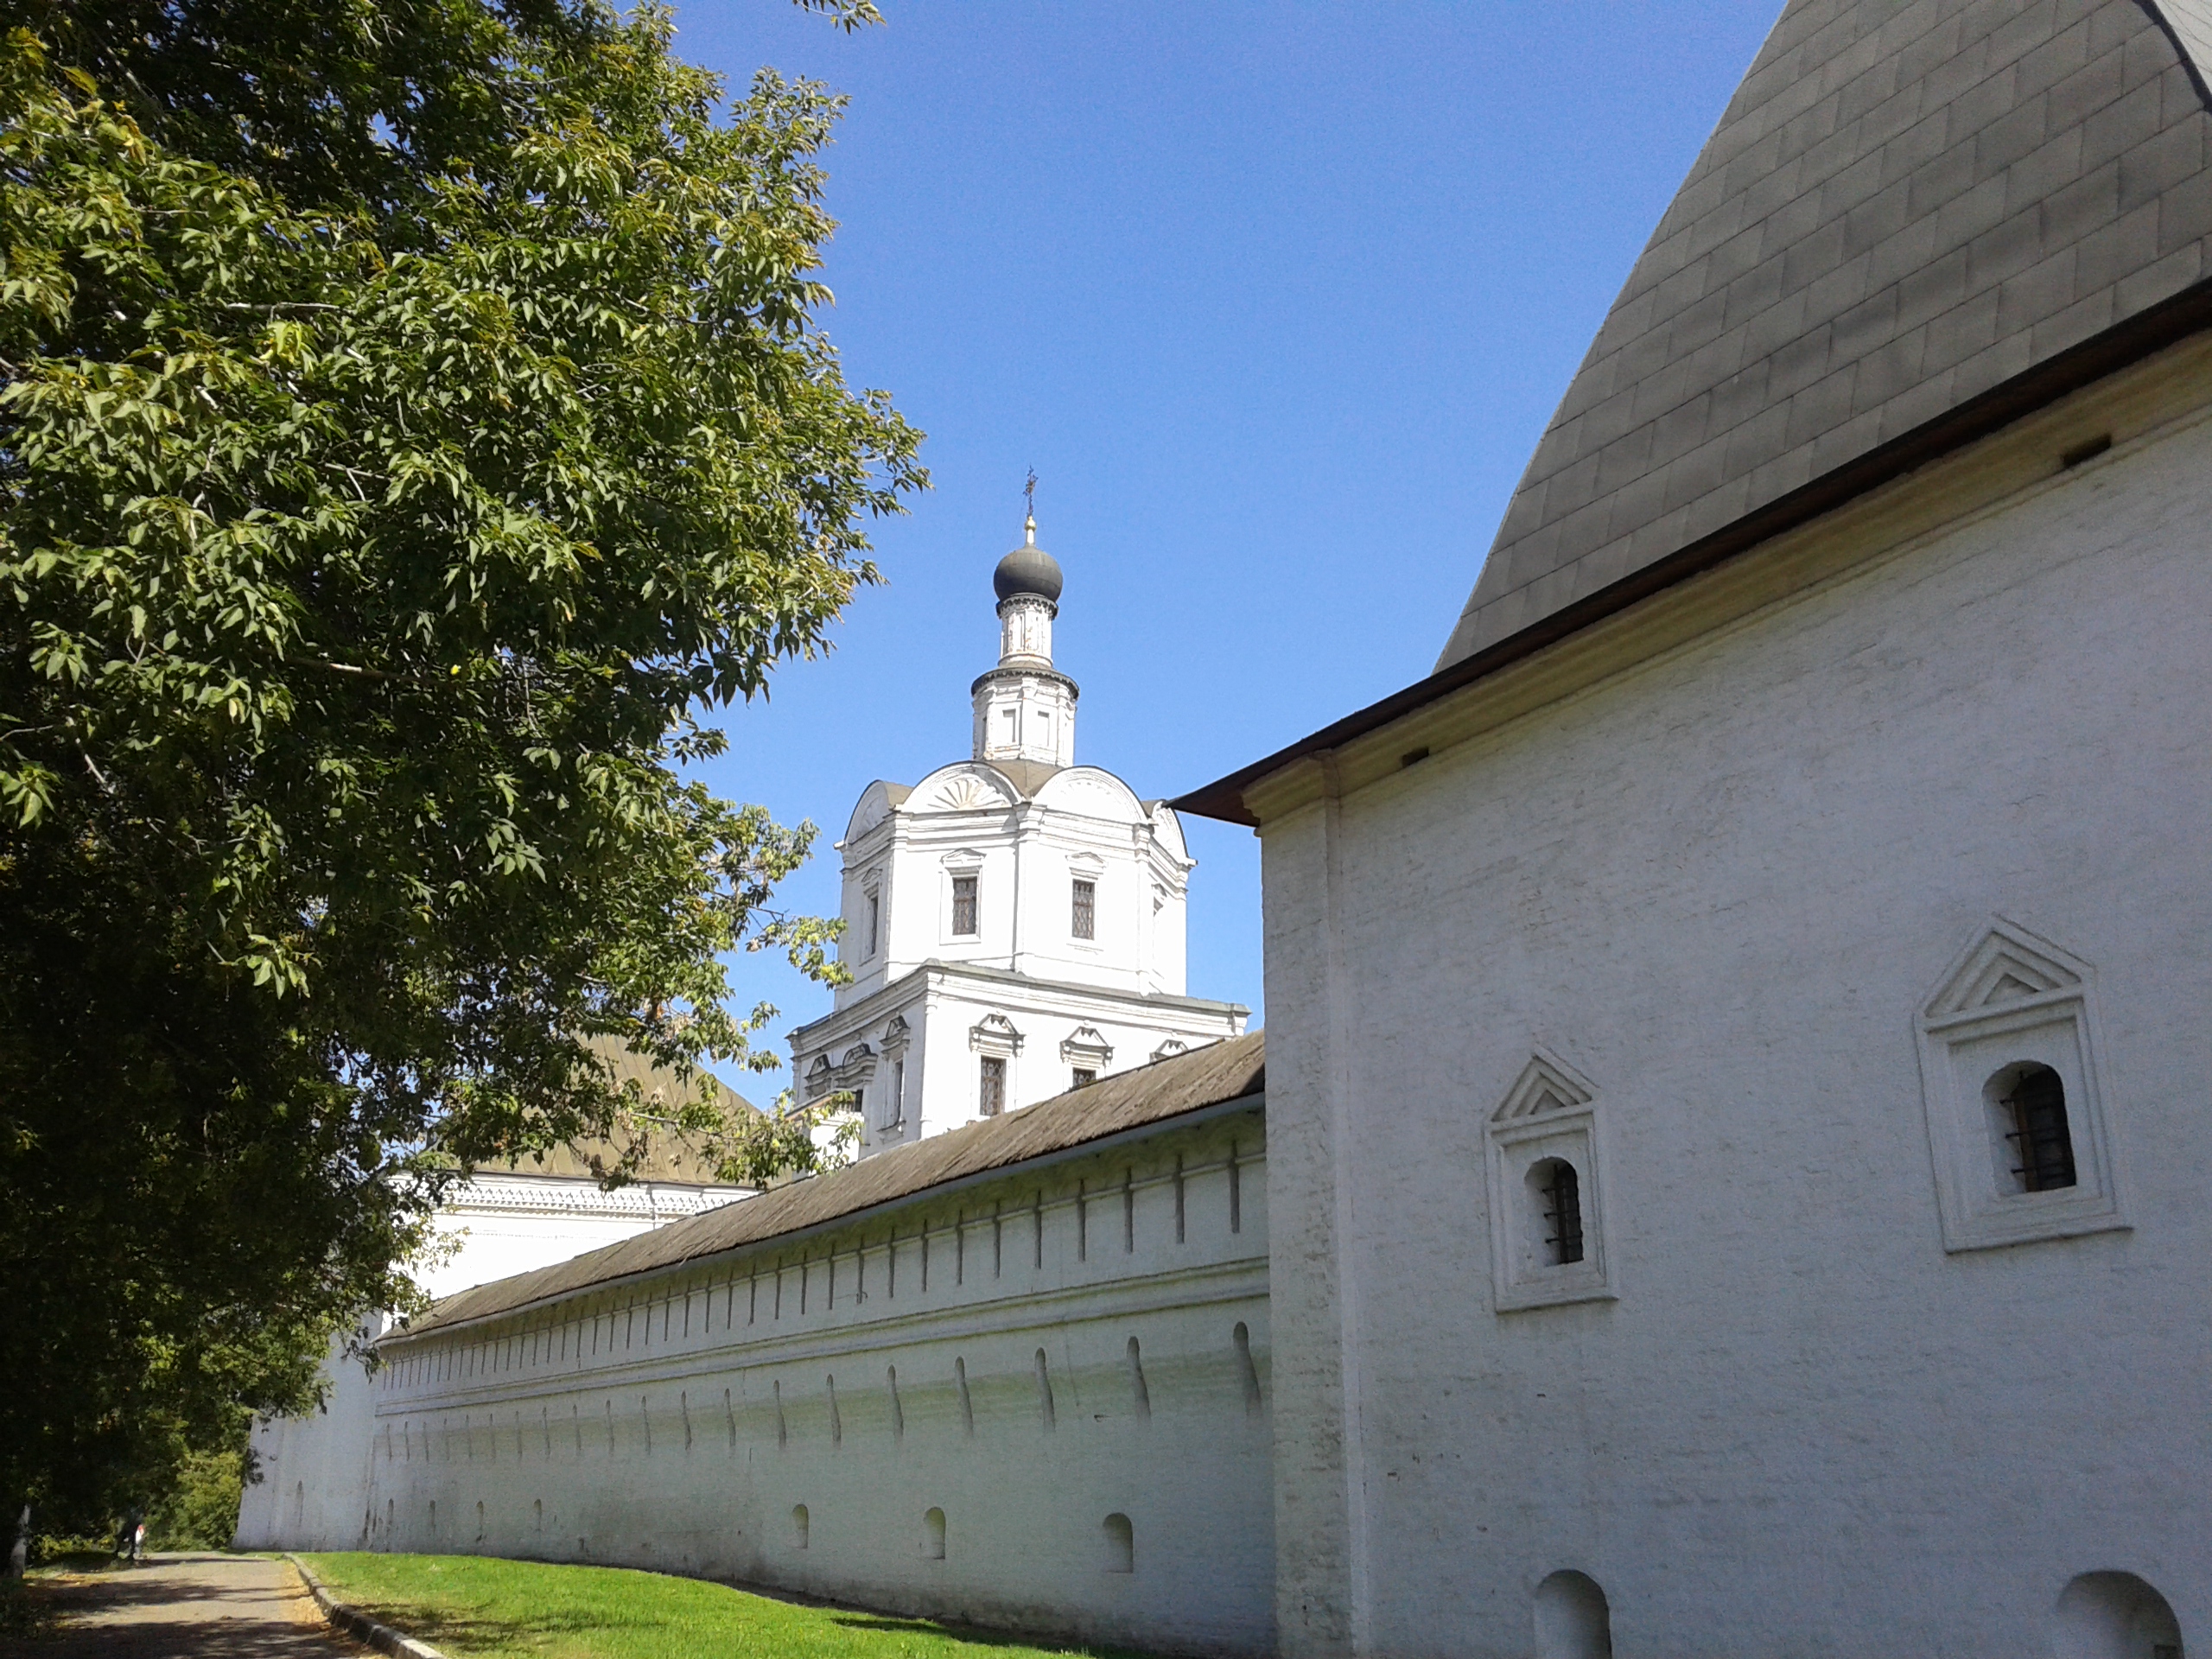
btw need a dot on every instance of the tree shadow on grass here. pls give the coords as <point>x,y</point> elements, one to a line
<point>976,1635</point>
<point>458,1628</point>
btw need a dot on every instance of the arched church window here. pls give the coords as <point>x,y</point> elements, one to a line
<point>991,1095</point>
<point>874,922</point>
<point>1559,1198</point>
<point>1084,923</point>
<point>964,906</point>
<point>801,1525</point>
<point>2028,1102</point>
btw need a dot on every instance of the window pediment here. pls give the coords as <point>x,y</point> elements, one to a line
<point>1546,1084</point>
<point>2006,965</point>
<point>1086,1045</point>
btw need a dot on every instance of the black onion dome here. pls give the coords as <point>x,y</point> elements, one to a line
<point>1028,569</point>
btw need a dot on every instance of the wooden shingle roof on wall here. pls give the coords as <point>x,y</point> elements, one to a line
<point>1904,208</point>
<point>1146,1096</point>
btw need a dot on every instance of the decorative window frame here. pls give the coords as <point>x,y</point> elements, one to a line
<point>1170,1047</point>
<point>871,912</point>
<point>2013,995</point>
<point>1088,866</point>
<point>1087,1046</point>
<point>964,861</point>
<point>1549,1112</point>
<point>994,1034</point>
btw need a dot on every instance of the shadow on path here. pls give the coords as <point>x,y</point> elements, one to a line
<point>184,1607</point>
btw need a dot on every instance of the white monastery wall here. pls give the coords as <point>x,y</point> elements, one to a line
<point>996,1371</point>
<point>313,1491</point>
<point>314,1484</point>
<point>1718,890</point>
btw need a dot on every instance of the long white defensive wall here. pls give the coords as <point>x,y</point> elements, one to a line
<point>1013,1374</point>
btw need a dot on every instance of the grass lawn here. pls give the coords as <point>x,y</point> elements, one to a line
<point>474,1607</point>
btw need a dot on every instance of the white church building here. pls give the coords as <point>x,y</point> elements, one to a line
<point>1727,1175</point>
<point>1015,917</point>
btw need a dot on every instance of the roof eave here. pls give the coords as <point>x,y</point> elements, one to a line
<point>2139,336</point>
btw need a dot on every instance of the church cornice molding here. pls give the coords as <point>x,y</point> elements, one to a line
<point>1025,672</point>
<point>584,1198</point>
<point>934,979</point>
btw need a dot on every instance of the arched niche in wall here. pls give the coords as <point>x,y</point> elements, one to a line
<point>2111,1615</point>
<point>1573,1619</point>
<point>1119,1540</point>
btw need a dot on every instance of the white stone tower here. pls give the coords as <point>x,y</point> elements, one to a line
<point>1013,923</point>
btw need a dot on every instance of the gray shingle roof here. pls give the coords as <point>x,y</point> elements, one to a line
<point>1904,206</point>
<point>1220,1072</point>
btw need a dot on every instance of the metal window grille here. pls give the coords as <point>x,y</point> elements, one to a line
<point>2041,1144</point>
<point>964,904</point>
<point>1085,920</point>
<point>992,1098</point>
<point>1084,1074</point>
<point>1562,1193</point>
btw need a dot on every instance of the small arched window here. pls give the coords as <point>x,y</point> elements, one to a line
<point>2027,1102</point>
<point>1558,1192</point>
<point>933,1535</point>
<point>798,1526</point>
<point>1121,1542</point>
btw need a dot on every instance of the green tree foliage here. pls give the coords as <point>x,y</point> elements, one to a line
<point>413,425</point>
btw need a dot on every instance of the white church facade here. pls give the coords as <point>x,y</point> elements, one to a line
<point>1726,1178</point>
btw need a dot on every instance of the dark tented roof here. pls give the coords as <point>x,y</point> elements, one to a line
<point>1904,206</point>
<point>669,1158</point>
<point>1230,1070</point>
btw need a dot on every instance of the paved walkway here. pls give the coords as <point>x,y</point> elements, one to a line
<point>188,1607</point>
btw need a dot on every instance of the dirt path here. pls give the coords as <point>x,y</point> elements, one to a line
<point>188,1607</point>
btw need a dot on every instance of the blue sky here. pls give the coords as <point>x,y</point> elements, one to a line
<point>1275,298</point>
